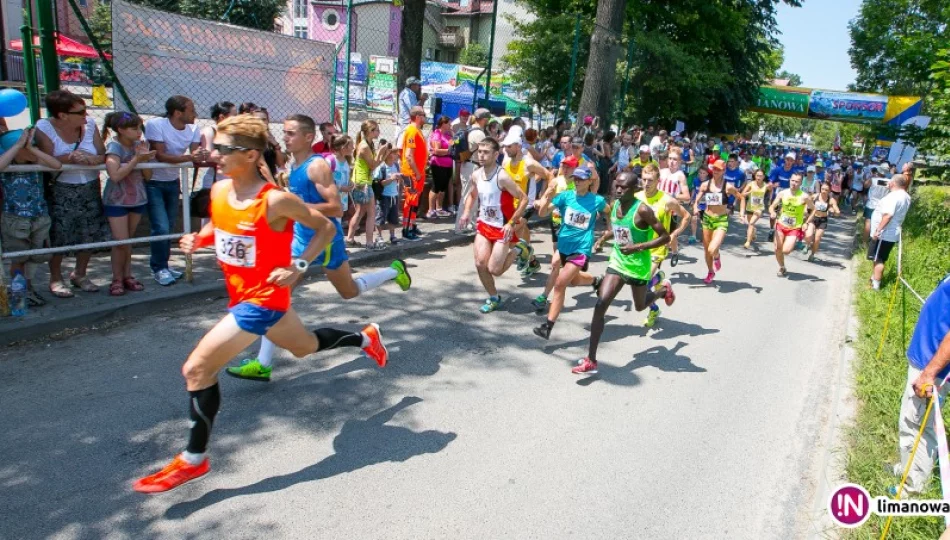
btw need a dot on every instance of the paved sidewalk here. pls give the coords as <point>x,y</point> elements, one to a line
<point>87,310</point>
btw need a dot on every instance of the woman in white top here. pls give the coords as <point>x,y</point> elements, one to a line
<point>76,206</point>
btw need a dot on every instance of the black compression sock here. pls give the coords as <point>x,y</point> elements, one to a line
<point>330,338</point>
<point>550,323</point>
<point>203,407</point>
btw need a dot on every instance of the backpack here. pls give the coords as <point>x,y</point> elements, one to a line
<point>460,151</point>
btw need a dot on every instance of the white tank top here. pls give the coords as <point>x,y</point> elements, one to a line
<point>669,183</point>
<point>61,148</point>
<point>489,201</point>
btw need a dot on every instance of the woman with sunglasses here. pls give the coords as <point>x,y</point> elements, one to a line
<point>72,137</point>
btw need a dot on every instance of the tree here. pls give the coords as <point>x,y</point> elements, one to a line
<point>602,59</point>
<point>894,43</point>
<point>410,36</point>
<point>694,60</point>
<point>474,54</point>
<point>794,79</point>
<point>936,138</point>
<point>100,22</point>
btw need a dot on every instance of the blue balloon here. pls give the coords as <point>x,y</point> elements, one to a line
<point>12,102</point>
<point>8,139</point>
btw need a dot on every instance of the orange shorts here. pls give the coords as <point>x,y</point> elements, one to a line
<point>494,234</point>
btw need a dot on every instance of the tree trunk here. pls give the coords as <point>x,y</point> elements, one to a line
<point>601,73</point>
<point>410,41</point>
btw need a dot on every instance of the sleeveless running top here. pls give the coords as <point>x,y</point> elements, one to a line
<point>669,183</point>
<point>520,176</point>
<point>821,206</point>
<point>757,197</point>
<point>362,176</point>
<point>637,265</point>
<point>300,185</point>
<point>248,250</point>
<point>659,202</point>
<point>495,206</point>
<point>793,209</point>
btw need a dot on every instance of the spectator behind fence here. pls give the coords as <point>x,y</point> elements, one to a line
<point>364,202</point>
<point>886,222</point>
<point>928,358</point>
<point>273,156</point>
<point>124,198</point>
<point>76,200</point>
<point>219,111</point>
<point>440,140</point>
<point>171,136</point>
<point>324,145</point>
<point>25,221</point>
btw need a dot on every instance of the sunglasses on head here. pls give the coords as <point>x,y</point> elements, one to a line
<point>227,149</point>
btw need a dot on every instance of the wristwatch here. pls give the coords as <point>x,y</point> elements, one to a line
<point>301,265</point>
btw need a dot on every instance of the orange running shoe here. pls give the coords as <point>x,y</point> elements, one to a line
<point>375,350</point>
<point>175,474</point>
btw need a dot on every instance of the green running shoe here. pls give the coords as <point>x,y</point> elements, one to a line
<point>252,370</point>
<point>650,321</point>
<point>491,304</point>
<point>540,303</point>
<point>525,256</point>
<point>402,275</point>
<point>532,269</point>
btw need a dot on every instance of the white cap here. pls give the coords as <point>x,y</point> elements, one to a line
<point>790,155</point>
<point>644,148</point>
<point>513,136</point>
<point>811,168</point>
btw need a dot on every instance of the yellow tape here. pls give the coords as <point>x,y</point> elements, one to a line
<point>910,460</point>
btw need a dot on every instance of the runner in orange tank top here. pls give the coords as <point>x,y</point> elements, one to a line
<point>251,230</point>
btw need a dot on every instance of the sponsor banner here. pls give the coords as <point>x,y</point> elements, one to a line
<point>784,101</point>
<point>160,54</point>
<point>381,88</point>
<point>439,73</point>
<point>358,69</point>
<point>846,106</point>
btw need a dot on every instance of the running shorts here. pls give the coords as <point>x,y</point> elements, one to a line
<point>255,319</point>
<point>821,223</point>
<point>494,234</point>
<point>577,259</point>
<point>787,231</point>
<point>627,279</point>
<point>712,223</point>
<point>868,212</point>
<point>879,250</point>
<point>331,258</point>
<point>657,257</point>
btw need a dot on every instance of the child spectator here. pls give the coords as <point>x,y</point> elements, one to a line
<point>124,198</point>
<point>386,179</point>
<point>25,221</point>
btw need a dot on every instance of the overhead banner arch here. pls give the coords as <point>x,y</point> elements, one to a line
<point>838,106</point>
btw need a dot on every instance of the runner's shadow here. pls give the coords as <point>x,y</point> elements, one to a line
<point>360,443</point>
<point>665,359</point>
<point>828,264</point>
<point>796,276</point>
<point>694,282</point>
<point>669,329</point>
<point>612,332</point>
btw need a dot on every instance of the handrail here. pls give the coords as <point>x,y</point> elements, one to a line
<point>102,167</point>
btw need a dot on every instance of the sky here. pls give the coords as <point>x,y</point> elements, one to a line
<point>816,41</point>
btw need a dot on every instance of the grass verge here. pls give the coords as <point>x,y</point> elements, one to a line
<point>880,381</point>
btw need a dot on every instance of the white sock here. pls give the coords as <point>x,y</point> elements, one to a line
<point>368,282</point>
<point>192,459</point>
<point>876,284</point>
<point>266,355</point>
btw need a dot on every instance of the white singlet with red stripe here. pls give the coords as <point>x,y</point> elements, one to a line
<point>669,183</point>
<point>494,204</point>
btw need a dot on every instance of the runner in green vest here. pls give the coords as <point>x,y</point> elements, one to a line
<point>631,224</point>
<point>788,228</point>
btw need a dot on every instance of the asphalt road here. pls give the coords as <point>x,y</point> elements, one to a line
<point>707,426</point>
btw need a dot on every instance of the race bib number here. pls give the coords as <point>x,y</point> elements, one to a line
<point>235,249</point>
<point>713,199</point>
<point>788,221</point>
<point>491,215</point>
<point>821,206</point>
<point>577,219</point>
<point>621,236</point>
<point>757,201</point>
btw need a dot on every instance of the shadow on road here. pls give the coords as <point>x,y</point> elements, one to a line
<point>360,443</point>
<point>660,357</point>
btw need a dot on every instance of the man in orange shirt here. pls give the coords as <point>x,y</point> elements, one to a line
<point>415,153</point>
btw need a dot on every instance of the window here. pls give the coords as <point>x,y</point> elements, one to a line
<point>300,9</point>
<point>300,30</point>
<point>330,19</point>
<point>83,3</point>
<point>438,55</point>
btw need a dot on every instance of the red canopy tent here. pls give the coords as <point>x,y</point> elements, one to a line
<point>64,47</point>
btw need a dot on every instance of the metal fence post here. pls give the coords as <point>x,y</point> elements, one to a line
<point>44,17</point>
<point>29,69</point>
<point>346,85</point>
<point>186,216</point>
<point>116,83</point>
<point>491,50</point>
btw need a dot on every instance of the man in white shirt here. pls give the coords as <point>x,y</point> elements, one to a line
<point>410,97</point>
<point>877,186</point>
<point>886,222</point>
<point>171,137</point>
<point>658,144</point>
<point>624,154</point>
<point>476,134</point>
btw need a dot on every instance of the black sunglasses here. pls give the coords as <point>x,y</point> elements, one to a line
<point>77,113</point>
<point>227,149</point>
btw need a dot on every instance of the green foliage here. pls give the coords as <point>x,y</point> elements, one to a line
<point>880,382</point>
<point>936,139</point>
<point>474,54</point>
<point>257,14</point>
<point>694,60</point>
<point>794,79</point>
<point>895,42</point>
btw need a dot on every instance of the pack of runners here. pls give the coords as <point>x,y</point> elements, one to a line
<point>265,237</point>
